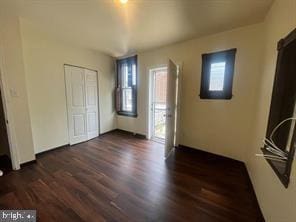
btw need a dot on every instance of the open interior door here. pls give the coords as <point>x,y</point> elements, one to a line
<point>171,108</point>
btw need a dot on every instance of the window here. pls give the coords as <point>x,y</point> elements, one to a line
<point>281,128</point>
<point>126,91</point>
<point>217,75</point>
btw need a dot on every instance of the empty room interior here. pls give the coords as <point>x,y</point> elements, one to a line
<point>148,110</point>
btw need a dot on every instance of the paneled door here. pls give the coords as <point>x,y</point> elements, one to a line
<point>82,103</point>
<point>171,108</point>
<point>91,86</point>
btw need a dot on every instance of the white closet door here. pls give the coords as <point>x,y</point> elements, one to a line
<point>82,103</point>
<point>75,88</point>
<point>91,86</point>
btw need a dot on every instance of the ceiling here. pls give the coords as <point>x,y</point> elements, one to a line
<point>116,29</point>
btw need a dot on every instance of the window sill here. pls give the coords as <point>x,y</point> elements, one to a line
<point>215,97</point>
<point>279,168</point>
<point>127,114</point>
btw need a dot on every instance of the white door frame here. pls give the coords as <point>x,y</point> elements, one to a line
<point>98,95</point>
<point>14,155</point>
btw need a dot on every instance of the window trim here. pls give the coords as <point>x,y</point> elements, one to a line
<point>118,105</point>
<point>207,59</point>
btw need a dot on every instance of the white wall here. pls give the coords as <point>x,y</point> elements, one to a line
<point>217,126</point>
<point>277,203</point>
<point>44,59</point>
<point>12,71</point>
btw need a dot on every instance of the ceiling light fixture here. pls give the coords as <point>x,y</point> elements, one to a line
<point>123,1</point>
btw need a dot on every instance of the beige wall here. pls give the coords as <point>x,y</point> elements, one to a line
<point>44,59</point>
<point>12,70</point>
<point>217,126</point>
<point>277,203</point>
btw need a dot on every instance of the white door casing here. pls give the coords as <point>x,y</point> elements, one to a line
<point>82,105</point>
<point>171,105</point>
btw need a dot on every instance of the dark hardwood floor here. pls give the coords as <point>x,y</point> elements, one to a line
<point>118,177</point>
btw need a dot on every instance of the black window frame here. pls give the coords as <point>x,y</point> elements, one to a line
<point>207,59</point>
<point>119,89</point>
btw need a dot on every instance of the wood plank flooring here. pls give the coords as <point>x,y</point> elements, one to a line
<point>118,177</point>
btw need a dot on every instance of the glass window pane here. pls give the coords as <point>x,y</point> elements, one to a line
<point>134,70</point>
<point>124,76</point>
<point>160,103</point>
<point>217,73</point>
<point>127,104</point>
<point>160,86</point>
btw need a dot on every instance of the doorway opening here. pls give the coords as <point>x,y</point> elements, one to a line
<point>163,106</point>
<point>5,159</point>
<point>158,104</point>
